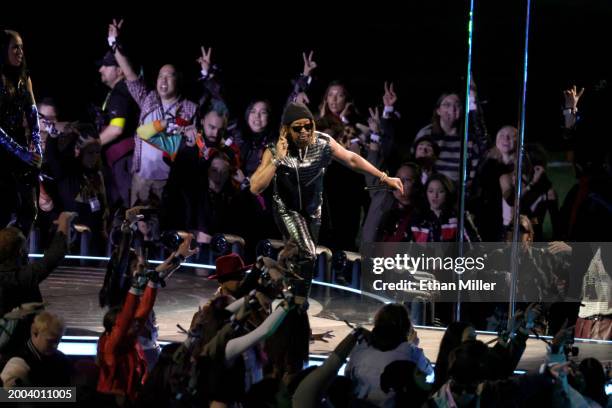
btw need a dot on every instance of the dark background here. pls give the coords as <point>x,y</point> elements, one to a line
<point>421,46</point>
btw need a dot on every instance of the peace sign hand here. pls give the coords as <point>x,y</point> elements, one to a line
<point>114,29</point>
<point>374,121</point>
<point>390,97</point>
<point>205,58</point>
<point>309,64</point>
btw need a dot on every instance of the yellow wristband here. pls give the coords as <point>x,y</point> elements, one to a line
<point>119,122</point>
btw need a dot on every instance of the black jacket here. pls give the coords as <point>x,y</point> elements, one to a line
<point>19,283</point>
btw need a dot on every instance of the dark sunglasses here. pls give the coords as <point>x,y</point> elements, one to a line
<point>298,128</point>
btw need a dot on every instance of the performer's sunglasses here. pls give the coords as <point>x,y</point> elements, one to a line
<point>298,128</point>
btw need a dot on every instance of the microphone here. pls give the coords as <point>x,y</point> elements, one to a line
<point>378,187</point>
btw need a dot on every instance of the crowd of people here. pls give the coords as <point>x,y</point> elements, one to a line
<point>156,175</point>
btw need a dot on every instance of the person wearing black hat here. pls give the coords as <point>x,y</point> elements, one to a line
<point>296,166</point>
<point>120,116</point>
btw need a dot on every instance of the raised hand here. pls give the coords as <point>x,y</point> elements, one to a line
<point>309,63</point>
<point>113,31</point>
<point>390,97</point>
<point>564,335</point>
<point>347,109</point>
<point>302,98</point>
<point>190,135</point>
<point>205,59</point>
<point>238,176</point>
<point>533,312</point>
<point>571,97</point>
<point>374,120</point>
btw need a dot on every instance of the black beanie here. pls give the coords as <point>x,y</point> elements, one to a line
<point>295,111</point>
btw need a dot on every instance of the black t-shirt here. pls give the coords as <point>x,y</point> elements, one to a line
<point>120,104</point>
<point>45,371</point>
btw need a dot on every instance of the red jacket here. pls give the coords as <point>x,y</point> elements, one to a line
<point>120,356</point>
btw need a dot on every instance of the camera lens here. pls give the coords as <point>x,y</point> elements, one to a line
<point>220,245</point>
<point>171,240</point>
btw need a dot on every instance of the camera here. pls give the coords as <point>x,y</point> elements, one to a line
<point>225,243</point>
<point>571,350</point>
<point>148,213</point>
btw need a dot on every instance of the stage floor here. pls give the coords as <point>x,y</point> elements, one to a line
<point>72,292</point>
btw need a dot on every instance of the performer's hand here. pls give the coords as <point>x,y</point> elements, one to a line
<point>35,160</point>
<point>395,183</point>
<point>390,97</point>
<point>282,145</point>
<point>309,64</point>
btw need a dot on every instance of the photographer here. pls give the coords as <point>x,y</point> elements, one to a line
<point>120,356</point>
<point>220,359</point>
<point>132,246</point>
<point>312,388</point>
<point>229,272</point>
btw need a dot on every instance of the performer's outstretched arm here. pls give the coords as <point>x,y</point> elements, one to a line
<point>358,163</point>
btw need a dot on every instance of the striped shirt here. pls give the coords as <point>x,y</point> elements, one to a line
<point>449,161</point>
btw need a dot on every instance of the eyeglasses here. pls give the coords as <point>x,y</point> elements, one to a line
<point>298,128</point>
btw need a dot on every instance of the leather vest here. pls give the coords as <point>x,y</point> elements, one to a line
<point>299,177</point>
